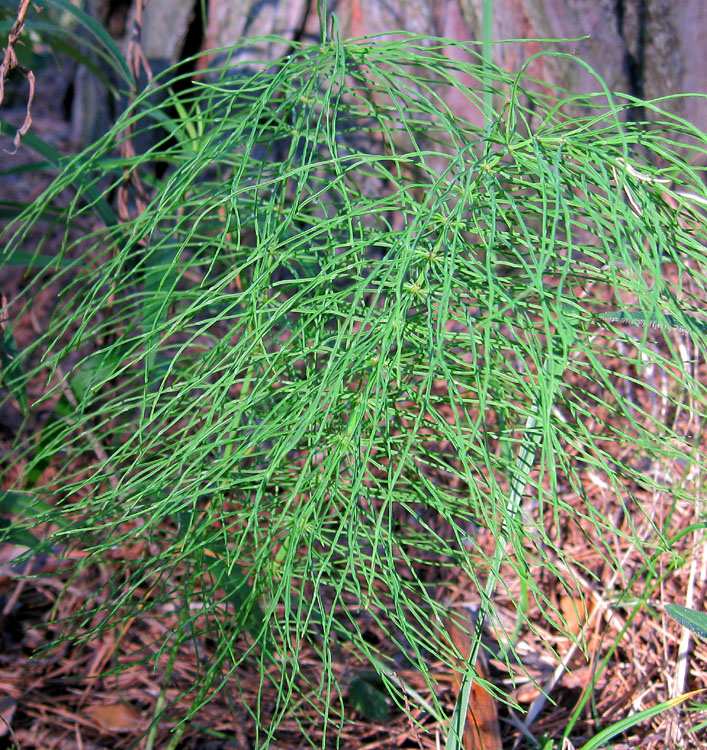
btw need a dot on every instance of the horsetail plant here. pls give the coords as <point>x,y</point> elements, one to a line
<point>349,336</point>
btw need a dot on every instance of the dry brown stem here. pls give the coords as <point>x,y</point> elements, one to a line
<point>9,62</point>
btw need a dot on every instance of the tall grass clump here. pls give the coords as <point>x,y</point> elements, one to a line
<point>322,347</point>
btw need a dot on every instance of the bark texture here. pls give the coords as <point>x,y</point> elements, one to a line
<point>647,48</point>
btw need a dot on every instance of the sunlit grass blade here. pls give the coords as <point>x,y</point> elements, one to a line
<point>607,734</point>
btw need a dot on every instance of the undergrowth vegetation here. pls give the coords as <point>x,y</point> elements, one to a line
<point>318,345</point>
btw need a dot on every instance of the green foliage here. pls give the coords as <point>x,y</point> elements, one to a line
<point>601,739</point>
<point>691,619</point>
<point>11,374</point>
<point>60,27</point>
<point>367,696</point>
<point>348,332</point>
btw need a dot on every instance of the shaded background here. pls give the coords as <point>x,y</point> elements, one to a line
<point>646,48</point>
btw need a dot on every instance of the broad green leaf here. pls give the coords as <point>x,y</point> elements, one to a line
<point>11,373</point>
<point>94,371</point>
<point>64,41</point>
<point>691,619</point>
<point>10,533</point>
<point>101,35</point>
<point>50,441</point>
<point>367,697</point>
<point>22,503</point>
<point>22,258</point>
<point>160,281</point>
<point>239,593</point>
<point>84,383</point>
<point>32,141</point>
<point>35,166</point>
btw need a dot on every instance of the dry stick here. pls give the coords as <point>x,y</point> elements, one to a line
<point>9,62</point>
<point>413,728</point>
<point>135,57</point>
<point>20,585</point>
